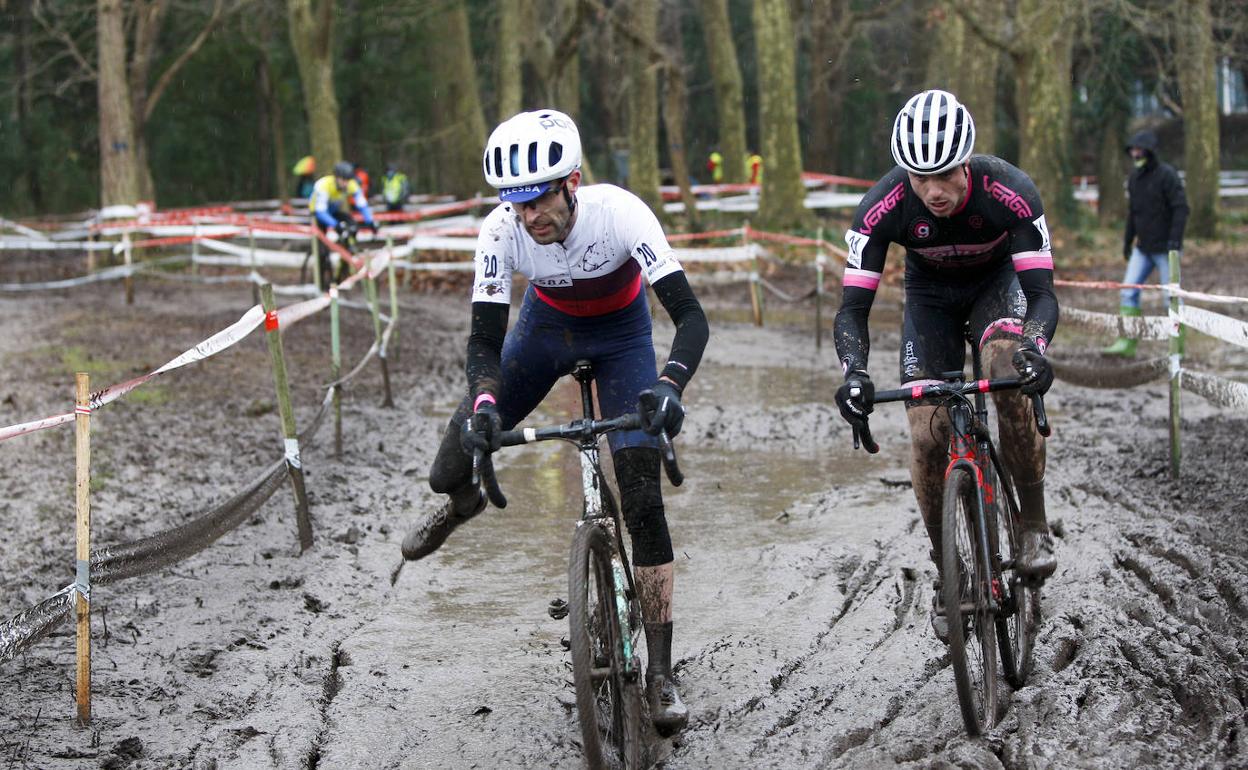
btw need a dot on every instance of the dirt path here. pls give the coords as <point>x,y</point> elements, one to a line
<point>803,582</point>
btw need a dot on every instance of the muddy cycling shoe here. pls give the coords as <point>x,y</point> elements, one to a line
<point>431,531</point>
<point>940,624</point>
<point>667,710</point>
<point>1036,559</point>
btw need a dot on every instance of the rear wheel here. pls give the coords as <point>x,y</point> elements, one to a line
<point>608,701</point>
<point>1016,627</point>
<point>972,628</point>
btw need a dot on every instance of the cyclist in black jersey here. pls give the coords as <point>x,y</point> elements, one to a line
<point>977,254</point>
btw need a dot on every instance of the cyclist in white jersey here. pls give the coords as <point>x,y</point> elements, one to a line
<point>584,251</point>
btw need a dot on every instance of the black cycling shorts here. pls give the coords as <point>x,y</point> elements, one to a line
<point>937,311</point>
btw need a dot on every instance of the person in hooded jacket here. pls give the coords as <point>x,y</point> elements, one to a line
<point>1156,215</point>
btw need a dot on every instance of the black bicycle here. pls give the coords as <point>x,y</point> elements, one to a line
<point>990,608</point>
<point>603,611</point>
<point>348,240</point>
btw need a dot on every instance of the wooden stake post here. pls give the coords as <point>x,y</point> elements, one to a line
<point>756,290</point>
<point>394,301</point>
<point>1176,368</point>
<point>293,464</point>
<point>129,257</point>
<point>251,243</point>
<point>335,369</point>
<point>370,288</point>
<point>82,579</point>
<point>821,261</point>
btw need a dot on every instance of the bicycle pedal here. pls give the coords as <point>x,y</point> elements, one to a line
<point>558,609</point>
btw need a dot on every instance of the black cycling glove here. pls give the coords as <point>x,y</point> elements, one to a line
<point>1033,368</point>
<point>661,409</point>
<point>482,430</point>
<point>856,398</point>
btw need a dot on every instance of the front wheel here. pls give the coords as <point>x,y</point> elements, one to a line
<point>608,699</point>
<point>1016,627</point>
<point>965,583</point>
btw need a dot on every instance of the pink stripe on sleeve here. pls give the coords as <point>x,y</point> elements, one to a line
<point>1032,260</point>
<point>863,279</point>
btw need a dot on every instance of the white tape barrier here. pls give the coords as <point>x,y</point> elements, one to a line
<point>107,274</point>
<point>1221,391</point>
<point>1231,330</point>
<point>43,244</point>
<point>1145,327</point>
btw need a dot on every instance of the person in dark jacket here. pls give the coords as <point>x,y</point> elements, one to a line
<point>1156,215</point>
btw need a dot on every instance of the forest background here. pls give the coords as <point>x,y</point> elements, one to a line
<point>185,102</point>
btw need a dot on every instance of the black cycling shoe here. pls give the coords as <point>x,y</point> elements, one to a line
<point>431,531</point>
<point>940,624</point>
<point>667,710</point>
<point>1036,559</point>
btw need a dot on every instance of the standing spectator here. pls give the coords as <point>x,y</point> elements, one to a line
<point>305,176</point>
<point>395,188</point>
<point>754,167</point>
<point>1156,215</point>
<point>361,176</point>
<point>715,167</point>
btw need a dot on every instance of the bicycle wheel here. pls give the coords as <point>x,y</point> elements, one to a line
<point>608,701</point>
<point>1016,626</point>
<point>972,629</point>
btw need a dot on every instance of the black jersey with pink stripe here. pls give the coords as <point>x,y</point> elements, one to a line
<point>1000,221</point>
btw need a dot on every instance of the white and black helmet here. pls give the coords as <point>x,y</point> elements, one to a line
<point>528,151</point>
<point>933,133</point>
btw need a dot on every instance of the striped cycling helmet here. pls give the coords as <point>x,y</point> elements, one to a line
<point>933,133</point>
<point>529,151</point>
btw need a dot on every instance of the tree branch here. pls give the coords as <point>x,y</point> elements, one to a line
<point>167,76</point>
<point>994,38</point>
<point>36,12</point>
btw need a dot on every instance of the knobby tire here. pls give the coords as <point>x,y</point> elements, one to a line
<point>1015,630</point>
<point>608,704</point>
<point>972,637</point>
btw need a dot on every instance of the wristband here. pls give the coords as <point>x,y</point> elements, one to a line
<point>484,398</point>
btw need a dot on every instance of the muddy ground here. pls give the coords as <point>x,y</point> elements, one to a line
<point>803,583</point>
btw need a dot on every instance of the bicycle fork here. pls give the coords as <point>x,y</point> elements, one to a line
<point>596,515</point>
<point>962,453</point>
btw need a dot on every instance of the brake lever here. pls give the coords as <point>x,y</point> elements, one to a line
<point>668,453</point>
<point>1042,419</point>
<point>483,474</point>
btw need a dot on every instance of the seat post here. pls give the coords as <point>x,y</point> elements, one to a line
<point>583,371</point>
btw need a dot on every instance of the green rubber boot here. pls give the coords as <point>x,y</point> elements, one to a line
<point>1124,346</point>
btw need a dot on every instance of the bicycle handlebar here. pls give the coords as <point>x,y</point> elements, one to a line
<point>953,388</point>
<point>483,465</point>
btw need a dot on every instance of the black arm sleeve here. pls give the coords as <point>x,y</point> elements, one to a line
<point>1042,310</point>
<point>485,348</point>
<point>692,330</point>
<point>853,339</point>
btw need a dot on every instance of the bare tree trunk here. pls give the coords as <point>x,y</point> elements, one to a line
<point>25,109</point>
<point>510,84</point>
<point>353,105</point>
<point>824,97</point>
<point>674,99</point>
<point>1044,94</point>
<point>966,65</point>
<point>312,36</point>
<point>458,117</point>
<point>643,135</point>
<point>1201,142</point>
<point>118,173</point>
<point>1111,206</point>
<point>726,73</point>
<point>269,132</point>
<point>781,202</point>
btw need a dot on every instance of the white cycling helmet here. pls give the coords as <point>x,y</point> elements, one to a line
<point>527,152</point>
<point>933,133</point>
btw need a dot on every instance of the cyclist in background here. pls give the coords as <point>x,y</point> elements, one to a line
<point>978,253</point>
<point>333,200</point>
<point>584,251</point>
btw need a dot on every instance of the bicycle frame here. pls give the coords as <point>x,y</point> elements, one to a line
<point>599,513</point>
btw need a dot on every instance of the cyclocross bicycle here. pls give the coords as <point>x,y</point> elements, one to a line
<point>989,607</point>
<point>603,611</point>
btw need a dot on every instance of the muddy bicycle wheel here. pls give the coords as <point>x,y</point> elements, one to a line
<point>972,627</point>
<point>608,701</point>
<point>1016,625</point>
